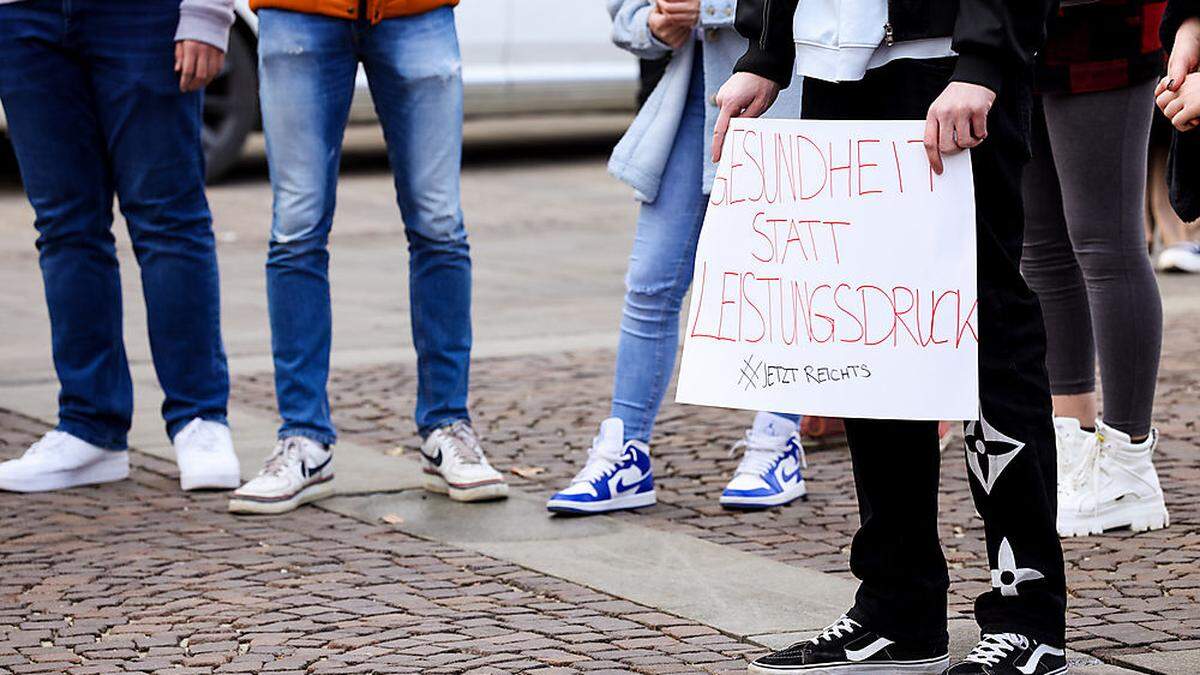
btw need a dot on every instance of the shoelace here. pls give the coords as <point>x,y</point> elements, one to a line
<point>995,646</point>
<point>286,454</point>
<point>843,626</point>
<point>600,461</point>
<point>1086,474</point>
<point>759,452</point>
<point>464,442</point>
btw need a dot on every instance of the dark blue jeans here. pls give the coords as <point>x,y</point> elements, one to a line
<point>307,64</point>
<point>94,109</point>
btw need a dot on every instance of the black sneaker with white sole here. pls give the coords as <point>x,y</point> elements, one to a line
<point>1011,654</point>
<point>849,648</point>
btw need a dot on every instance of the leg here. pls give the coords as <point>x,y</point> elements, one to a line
<point>1102,166</point>
<point>152,132</point>
<point>1049,266</point>
<point>660,271</point>
<point>896,553</point>
<point>306,82</point>
<point>415,72</point>
<point>52,118</point>
<point>1011,448</point>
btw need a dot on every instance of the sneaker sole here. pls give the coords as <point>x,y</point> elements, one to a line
<point>1139,517</point>
<point>309,494</point>
<point>107,470</point>
<point>212,481</point>
<point>625,503</point>
<point>935,666</point>
<point>476,493</point>
<point>758,503</point>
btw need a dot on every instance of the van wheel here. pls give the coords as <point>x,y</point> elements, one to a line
<point>230,106</point>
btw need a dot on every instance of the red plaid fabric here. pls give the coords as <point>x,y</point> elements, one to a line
<point>1102,45</point>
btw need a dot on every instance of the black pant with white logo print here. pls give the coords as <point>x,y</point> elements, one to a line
<point>1010,450</point>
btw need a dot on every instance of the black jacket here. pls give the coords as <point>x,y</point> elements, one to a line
<point>1183,162</point>
<point>993,38</point>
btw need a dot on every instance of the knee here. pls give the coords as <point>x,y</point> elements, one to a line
<point>650,293</point>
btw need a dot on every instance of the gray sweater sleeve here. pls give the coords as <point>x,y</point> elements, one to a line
<point>206,21</point>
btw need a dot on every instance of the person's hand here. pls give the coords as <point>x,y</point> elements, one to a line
<point>671,21</point>
<point>197,64</point>
<point>957,120</point>
<point>1182,106</point>
<point>1184,59</point>
<point>742,95</point>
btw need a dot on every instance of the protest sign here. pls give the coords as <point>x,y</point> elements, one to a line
<point>835,275</point>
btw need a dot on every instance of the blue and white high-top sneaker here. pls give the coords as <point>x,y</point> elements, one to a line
<point>769,473</point>
<point>617,476</point>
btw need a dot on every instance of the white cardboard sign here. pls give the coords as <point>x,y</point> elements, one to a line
<point>835,275</point>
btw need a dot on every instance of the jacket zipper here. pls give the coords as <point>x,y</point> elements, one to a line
<point>762,37</point>
<point>888,37</point>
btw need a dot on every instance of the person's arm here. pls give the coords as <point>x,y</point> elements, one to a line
<point>996,37</point>
<point>767,24</point>
<point>200,41</point>
<point>651,29</point>
<point>993,39</point>
<point>1180,34</point>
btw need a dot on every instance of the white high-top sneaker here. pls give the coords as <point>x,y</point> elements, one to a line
<point>1115,486</point>
<point>455,465</point>
<point>60,460</point>
<point>1071,441</point>
<point>299,471</point>
<point>204,453</point>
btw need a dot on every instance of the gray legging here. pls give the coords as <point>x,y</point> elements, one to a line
<point>1085,248</point>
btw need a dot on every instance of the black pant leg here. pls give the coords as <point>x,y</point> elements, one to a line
<point>1010,450</point>
<point>896,553</point>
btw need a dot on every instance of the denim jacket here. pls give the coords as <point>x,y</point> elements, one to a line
<point>641,155</point>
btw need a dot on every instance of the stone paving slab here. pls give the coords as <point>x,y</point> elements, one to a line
<point>138,576</point>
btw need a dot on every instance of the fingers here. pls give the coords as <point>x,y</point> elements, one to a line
<point>931,143</point>
<point>1162,86</point>
<point>1177,70</point>
<point>947,138</point>
<point>722,126</point>
<point>187,68</point>
<point>178,56</point>
<point>979,126</point>
<point>962,137</point>
<point>1165,98</point>
<point>1184,116</point>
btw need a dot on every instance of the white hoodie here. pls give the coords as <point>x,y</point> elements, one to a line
<point>840,40</point>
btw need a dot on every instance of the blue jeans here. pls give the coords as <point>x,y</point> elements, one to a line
<point>307,65</point>
<point>660,272</point>
<point>94,108</point>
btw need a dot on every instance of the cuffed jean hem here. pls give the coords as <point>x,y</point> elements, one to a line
<point>175,427</point>
<point>327,440</point>
<point>119,444</point>
<point>425,431</point>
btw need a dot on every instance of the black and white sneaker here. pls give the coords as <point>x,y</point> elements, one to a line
<point>849,648</point>
<point>1011,654</point>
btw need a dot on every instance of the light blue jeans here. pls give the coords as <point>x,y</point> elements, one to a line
<point>660,272</point>
<point>307,67</point>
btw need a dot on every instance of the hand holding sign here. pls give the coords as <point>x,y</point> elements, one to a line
<point>835,275</point>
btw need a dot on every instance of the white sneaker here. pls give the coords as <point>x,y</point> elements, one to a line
<point>204,453</point>
<point>1181,257</point>
<point>1115,486</point>
<point>299,471</point>
<point>454,465</point>
<point>60,460</point>
<point>769,473</point>
<point>1072,443</point>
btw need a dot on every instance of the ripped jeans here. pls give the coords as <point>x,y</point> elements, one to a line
<point>660,272</point>
<point>307,68</point>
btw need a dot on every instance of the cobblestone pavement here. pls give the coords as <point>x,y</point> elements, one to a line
<point>1129,593</point>
<point>140,577</point>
